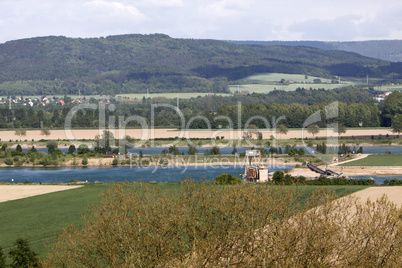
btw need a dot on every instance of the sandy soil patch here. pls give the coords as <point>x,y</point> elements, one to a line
<point>305,172</point>
<point>394,194</point>
<point>13,192</point>
<point>92,162</point>
<point>146,134</point>
<point>350,171</point>
<point>368,171</point>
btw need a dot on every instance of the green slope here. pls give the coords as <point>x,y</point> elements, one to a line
<point>158,63</point>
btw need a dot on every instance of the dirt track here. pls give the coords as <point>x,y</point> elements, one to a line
<point>146,134</point>
<point>394,194</point>
<point>13,192</point>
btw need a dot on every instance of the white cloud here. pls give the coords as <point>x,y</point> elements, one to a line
<point>385,24</point>
<point>114,9</point>
<point>217,19</point>
<point>225,9</point>
<point>339,29</point>
<point>163,3</point>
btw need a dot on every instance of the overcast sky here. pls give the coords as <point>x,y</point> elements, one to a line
<point>323,20</point>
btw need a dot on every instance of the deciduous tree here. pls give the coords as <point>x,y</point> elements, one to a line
<point>21,132</point>
<point>340,128</point>
<point>397,124</point>
<point>313,129</point>
<point>283,129</point>
<point>45,131</point>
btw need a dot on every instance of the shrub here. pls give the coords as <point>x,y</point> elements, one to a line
<point>278,176</point>
<point>22,255</point>
<point>115,162</point>
<point>138,226</point>
<point>85,161</point>
<point>393,182</point>
<point>83,149</point>
<point>2,259</point>
<point>71,149</point>
<point>226,179</point>
<point>240,226</point>
<point>9,161</point>
<point>46,161</point>
<point>51,146</point>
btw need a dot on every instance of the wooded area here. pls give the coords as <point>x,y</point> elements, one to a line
<point>350,113</point>
<point>158,63</point>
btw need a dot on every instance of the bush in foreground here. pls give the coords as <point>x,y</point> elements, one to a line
<point>239,226</point>
<point>2,259</point>
<point>226,179</point>
<point>22,255</point>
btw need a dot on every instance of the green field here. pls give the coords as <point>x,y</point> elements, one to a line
<point>39,218</point>
<point>266,88</point>
<point>389,88</point>
<point>377,160</point>
<point>276,77</point>
<point>267,82</point>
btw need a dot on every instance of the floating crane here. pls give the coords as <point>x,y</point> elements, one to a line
<point>254,171</point>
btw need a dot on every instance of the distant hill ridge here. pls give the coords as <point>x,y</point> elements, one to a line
<point>158,63</point>
<point>389,50</point>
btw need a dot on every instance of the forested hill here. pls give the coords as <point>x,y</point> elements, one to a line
<point>136,63</point>
<point>389,50</point>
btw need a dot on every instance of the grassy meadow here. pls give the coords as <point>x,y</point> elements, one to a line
<point>266,88</point>
<point>267,82</point>
<point>377,160</point>
<point>38,219</point>
<point>276,77</point>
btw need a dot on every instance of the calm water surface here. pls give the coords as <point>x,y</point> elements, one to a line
<point>130,174</point>
<point>118,174</point>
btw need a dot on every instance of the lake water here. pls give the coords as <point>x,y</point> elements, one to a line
<point>130,174</point>
<point>118,174</point>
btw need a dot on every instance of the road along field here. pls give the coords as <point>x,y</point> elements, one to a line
<point>146,134</point>
<point>13,192</point>
<point>394,194</point>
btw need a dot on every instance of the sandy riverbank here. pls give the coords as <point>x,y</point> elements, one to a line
<point>13,192</point>
<point>352,170</point>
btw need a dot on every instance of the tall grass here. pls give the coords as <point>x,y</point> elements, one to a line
<point>238,226</point>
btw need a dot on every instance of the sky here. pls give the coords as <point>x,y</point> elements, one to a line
<point>264,20</point>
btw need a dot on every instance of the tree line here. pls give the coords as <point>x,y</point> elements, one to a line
<point>200,111</point>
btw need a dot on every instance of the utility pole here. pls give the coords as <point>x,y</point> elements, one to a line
<point>178,101</point>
